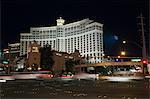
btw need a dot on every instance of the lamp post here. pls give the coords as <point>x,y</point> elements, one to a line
<point>143,36</point>
<point>9,68</point>
<point>123,53</point>
<point>124,42</point>
<point>29,68</point>
<point>144,60</point>
<point>143,55</point>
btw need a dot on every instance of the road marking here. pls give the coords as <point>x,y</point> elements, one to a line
<point>69,92</point>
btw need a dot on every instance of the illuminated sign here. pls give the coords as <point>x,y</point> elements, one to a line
<point>35,49</point>
<point>5,62</point>
<point>136,60</point>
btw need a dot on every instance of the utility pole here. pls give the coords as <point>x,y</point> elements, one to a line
<point>9,59</point>
<point>143,37</point>
<point>144,56</point>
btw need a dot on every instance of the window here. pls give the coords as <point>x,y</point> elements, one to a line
<point>90,54</point>
<point>34,49</point>
<point>94,54</point>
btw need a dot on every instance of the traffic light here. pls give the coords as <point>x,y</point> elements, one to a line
<point>144,61</point>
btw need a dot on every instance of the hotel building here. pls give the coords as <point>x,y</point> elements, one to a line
<point>85,36</point>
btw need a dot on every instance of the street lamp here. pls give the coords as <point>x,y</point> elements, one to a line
<point>123,53</point>
<point>29,68</point>
<point>39,68</point>
<point>124,42</point>
<point>144,60</point>
<point>140,46</point>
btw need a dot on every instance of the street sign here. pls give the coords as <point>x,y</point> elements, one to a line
<point>5,62</point>
<point>136,60</point>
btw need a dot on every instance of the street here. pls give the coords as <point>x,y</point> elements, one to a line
<point>74,89</point>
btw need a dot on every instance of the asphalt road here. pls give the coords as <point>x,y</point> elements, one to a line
<point>74,89</point>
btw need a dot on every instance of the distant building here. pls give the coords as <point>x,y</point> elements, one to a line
<point>33,56</point>
<point>61,57</point>
<point>6,53</point>
<point>85,36</point>
<point>14,50</point>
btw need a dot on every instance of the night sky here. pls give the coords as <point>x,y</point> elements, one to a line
<point>118,17</point>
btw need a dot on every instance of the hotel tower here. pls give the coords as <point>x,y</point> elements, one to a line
<point>84,35</point>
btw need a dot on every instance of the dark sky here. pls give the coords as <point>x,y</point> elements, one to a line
<point>118,17</point>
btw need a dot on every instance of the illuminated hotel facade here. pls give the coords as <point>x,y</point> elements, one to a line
<point>85,36</point>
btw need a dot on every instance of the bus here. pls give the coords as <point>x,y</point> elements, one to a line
<point>33,75</point>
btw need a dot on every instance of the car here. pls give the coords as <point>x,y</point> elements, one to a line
<point>86,76</point>
<point>124,76</point>
<point>44,74</point>
<point>67,75</point>
<point>6,77</point>
<point>33,75</point>
<point>25,75</point>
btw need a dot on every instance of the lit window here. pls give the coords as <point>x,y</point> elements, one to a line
<point>34,49</point>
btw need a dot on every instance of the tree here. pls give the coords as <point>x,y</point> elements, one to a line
<point>46,57</point>
<point>69,65</point>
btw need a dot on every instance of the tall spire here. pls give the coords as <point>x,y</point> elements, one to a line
<point>60,21</point>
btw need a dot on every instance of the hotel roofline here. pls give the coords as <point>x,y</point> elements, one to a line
<point>68,25</point>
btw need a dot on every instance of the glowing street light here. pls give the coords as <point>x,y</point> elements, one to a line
<point>118,56</point>
<point>143,54</point>
<point>29,68</point>
<point>123,53</point>
<point>39,68</point>
<point>123,42</point>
